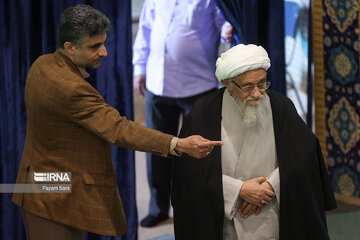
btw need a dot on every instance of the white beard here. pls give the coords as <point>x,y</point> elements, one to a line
<point>251,115</point>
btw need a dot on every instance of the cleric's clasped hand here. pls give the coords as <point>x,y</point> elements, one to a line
<point>256,193</point>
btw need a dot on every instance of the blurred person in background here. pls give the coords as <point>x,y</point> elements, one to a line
<point>175,50</point>
<point>174,57</point>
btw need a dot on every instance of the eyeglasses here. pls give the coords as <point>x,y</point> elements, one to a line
<point>262,85</point>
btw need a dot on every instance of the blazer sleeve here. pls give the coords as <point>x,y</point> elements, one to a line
<point>88,109</point>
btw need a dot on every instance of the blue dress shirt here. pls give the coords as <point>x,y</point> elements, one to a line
<point>177,46</point>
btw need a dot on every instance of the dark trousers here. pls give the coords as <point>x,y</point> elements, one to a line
<point>38,228</point>
<point>163,113</point>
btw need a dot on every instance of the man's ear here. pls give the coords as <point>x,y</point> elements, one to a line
<point>226,82</point>
<point>69,47</point>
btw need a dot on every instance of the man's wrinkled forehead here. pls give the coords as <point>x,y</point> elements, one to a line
<point>252,76</point>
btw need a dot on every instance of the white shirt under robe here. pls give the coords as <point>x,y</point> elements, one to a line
<point>248,152</point>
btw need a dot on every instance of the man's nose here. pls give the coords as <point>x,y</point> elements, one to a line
<point>255,93</point>
<point>102,51</point>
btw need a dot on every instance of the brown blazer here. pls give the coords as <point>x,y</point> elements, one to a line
<point>69,129</point>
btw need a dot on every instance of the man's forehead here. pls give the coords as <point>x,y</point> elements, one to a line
<point>92,40</point>
<point>252,75</point>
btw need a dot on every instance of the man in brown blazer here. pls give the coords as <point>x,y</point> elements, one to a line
<point>70,128</point>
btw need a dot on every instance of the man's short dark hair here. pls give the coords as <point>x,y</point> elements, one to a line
<point>80,21</point>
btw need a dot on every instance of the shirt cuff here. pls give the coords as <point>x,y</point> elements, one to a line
<point>173,145</point>
<point>139,69</point>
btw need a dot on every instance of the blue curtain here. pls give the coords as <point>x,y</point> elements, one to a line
<point>28,30</point>
<point>262,23</point>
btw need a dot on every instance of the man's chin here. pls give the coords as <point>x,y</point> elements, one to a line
<point>94,65</point>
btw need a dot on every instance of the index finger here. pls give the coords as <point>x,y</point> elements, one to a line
<point>212,143</point>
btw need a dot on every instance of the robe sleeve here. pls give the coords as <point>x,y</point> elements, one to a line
<point>231,189</point>
<point>274,181</point>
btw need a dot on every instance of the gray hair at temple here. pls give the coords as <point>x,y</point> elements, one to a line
<point>80,21</point>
